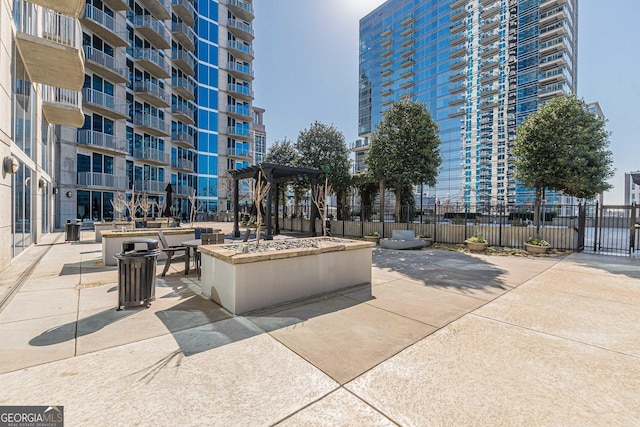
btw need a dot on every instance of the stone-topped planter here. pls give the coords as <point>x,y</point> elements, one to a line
<point>475,246</point>
<point>374,239</point>
<point>100,227</point>
<point>112,240</point>
<point>243,282</point>
<point>535,249</point>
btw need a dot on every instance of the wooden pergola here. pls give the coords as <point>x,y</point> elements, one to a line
<point>274,174</point>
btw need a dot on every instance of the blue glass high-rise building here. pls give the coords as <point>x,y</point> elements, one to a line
<point>481,67</point>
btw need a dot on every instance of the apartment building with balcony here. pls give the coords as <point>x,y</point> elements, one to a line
<point>42,65</point>
<point>235,126</point>
<point>481,67</point>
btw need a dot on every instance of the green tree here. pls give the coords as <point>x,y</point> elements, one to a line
<point>367,189</point>
<point>405,150</point>
<point>284,153</point>
<point>323,147</point>
<point>563,147</point>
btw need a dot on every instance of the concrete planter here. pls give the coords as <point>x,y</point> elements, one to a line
<point>428,241</point>
<point>246,282</point>
<point>374,239</point>
<point>475,247</point>
<point>535,249</point>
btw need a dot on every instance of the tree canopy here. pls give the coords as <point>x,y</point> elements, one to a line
<point>405,147</point>
<point>563,147</point>
<point>282,153</point>
<point>323,147</point>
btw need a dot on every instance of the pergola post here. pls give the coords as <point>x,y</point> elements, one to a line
<point>236,208</point>
<point>277,190</point>
<point>314,208</point>
<point>269,235</point>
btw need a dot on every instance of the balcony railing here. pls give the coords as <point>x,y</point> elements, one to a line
<point>117,72</point>
<point>102,140</point>
<point>239,110</point>
<point>105,103</point>
<point>183,112</point>
<point>239,67</point>
<point>152,60</point>
<point>183,60</point>
<point>241,8</point>
<point>183,138</point>
<point>184,164</point>
<point>184,87</point>
<point>184,35</point>
<point>104,180</point>
<point>152,93</point>
<point>62,106</point>
<point>153,30</point>
<point>242,26</point>
<point>154,124</point>
<point>184,10</point>
<point>158,8</point>
<point>240,47</point>
<point>105,26</point>
<point>51,45</point>
<point>150,186</point>
<point>240,89</point>
<point>238,130</point>
<point>152,154</point>
<point>184,190</point>
<point>239,152</point>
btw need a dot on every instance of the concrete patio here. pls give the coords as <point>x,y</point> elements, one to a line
<point>438,338</point>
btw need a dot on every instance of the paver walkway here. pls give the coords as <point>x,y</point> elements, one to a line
<point>438,338</point>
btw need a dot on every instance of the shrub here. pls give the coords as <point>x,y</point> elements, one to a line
<point>477,238</point>
<point>373,234</point>
<point>537,241</point>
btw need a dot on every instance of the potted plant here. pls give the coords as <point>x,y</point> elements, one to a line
<point>428,240</point>
<point>372,236</point>
<point>476,243</point>
<point>536,246</point>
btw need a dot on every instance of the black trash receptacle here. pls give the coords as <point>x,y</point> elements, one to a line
<point>137,272</point>
<point>72,230</point>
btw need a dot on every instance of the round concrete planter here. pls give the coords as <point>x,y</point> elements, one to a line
<point>475,247</point>
<point>535,249</point>
<point>374,239</point>
<point>428,241</point>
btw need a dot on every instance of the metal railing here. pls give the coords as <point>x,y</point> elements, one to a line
<point>102,140</point>
<point>93,179</point>
<point>92,96</point>
<point>147,86</point>
<point>99,57</point>
<point>109,22</point>
<point>148,153</point>
<point>47,24</point>
<point>57,95</point>
<point>148,120</point>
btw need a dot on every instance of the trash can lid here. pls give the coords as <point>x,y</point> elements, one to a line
<point>130,244</point>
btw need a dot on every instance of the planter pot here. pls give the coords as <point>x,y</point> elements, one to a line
<point>428,241</point>
<point>536,250</point>
<point>374,239</point>
<point>475,247</point>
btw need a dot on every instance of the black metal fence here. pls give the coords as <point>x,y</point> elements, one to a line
<point>589,227</point>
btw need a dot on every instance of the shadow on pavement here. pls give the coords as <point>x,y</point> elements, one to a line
<point>441,269</point>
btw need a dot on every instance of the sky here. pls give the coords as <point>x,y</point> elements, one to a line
<point>306,68</point>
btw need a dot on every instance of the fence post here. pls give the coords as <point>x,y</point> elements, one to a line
<point>501,210</point>
<point>632,229</point>
<point>435,222</point>
<point>595,227</point>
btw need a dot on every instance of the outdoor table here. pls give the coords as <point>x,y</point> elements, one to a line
<point>191,244</point>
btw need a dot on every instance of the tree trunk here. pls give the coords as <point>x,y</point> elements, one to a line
<point>381,201</point>
<point>398,207</point>
<point>536,210</point>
